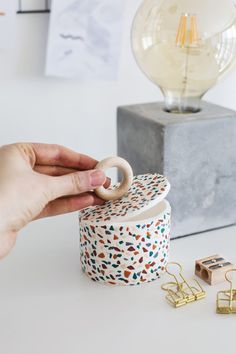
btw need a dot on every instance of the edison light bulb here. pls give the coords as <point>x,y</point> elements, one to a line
<point>185,47</point>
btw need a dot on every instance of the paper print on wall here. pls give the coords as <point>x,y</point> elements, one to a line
<point>85,39</point>
<point>7,23</point>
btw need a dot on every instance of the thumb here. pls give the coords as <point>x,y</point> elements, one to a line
<point>76,183</point>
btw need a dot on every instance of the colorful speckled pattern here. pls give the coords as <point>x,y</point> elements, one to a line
<point>146,190</point>
<point>120,252</point>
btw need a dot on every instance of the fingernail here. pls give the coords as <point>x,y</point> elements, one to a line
<point>108,181</point>
<point>97,178</point>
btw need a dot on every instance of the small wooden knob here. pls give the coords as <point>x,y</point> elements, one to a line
<point>126,183</point>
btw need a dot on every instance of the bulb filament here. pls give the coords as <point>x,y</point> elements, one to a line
<point>187,35</point>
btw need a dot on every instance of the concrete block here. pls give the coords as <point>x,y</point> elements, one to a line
<point>197,152</point>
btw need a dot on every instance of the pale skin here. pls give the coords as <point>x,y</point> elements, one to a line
<point>40,180</point>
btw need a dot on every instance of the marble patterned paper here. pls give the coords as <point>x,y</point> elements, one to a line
<point>85,39</point>
<point>7,23</point>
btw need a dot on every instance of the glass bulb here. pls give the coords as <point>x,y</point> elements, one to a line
<point>185,47</point>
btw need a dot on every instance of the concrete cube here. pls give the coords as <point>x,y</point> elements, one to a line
<point>196,152</point>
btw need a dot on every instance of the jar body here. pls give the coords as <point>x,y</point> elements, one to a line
<point>129,253</point>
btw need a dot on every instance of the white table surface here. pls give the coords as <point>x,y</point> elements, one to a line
<point>47,306</point>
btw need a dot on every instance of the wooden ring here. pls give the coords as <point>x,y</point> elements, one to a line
<point>124,166</point>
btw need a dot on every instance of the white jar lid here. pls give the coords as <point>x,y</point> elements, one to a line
<point>146,191</point>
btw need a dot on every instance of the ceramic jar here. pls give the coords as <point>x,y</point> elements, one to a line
<point>126,242</point>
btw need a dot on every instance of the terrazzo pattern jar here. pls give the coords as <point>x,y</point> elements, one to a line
<point>126,242</point>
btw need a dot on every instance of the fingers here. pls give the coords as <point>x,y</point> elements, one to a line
<point>61,171</point>
<point>70,204</point>
<point>75,183</point>
<point>53,170</point>
<point>61,156</point>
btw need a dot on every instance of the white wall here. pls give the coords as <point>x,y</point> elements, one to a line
<point>35,108</point>
<point>83,117</point>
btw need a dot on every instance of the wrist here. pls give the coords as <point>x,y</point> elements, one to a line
<point>7,233</point>
<point>7,214</point>
<point>7,241</point>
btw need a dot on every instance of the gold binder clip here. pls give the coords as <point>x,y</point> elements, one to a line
<point>181,292</point>
<point>226,300</point>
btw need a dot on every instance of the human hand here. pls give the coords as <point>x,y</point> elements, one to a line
<point>39,180</point>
